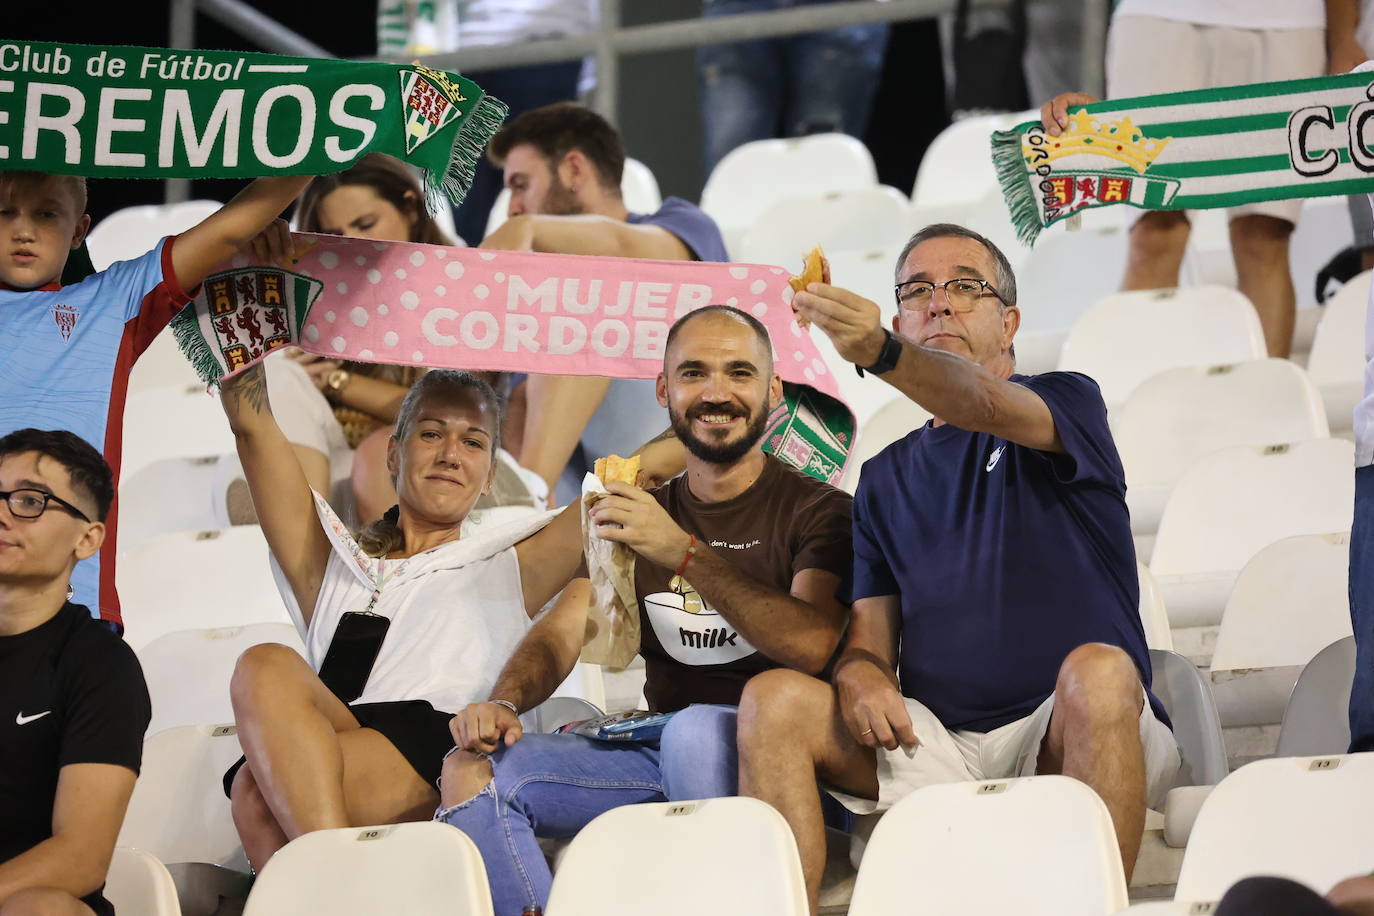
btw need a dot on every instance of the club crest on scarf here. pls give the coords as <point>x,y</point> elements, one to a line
<point>429,102</point>
<point>1096,162</point>
<point>254,311</point>
<point>807,434</point>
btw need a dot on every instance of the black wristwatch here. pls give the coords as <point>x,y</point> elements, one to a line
<point>887,356</point>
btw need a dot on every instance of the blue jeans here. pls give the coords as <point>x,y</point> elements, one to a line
<point>786,87</point>
<point>1362,612</point>
<point>553,785</point>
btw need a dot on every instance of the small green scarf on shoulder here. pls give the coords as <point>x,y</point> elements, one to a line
<point>1193,150</point>
<point>130,112</point>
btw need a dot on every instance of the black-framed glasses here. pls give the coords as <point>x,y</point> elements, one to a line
<point>29,503</point>
<point>962,293</point>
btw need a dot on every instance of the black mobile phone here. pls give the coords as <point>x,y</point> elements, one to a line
<point>348,662</point>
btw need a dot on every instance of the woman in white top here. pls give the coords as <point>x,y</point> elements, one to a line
<point>458,599</point>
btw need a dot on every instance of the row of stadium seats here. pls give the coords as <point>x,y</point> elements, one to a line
<point>1038,845</point>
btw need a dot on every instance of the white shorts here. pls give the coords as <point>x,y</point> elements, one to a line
<point>1147,55</point>
<point>1012,750</point>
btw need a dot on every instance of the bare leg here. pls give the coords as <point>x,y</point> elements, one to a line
<point>791,737</point>
<point>315,465</point>
<point>1157,243</point>
<point>1094,736</point>
<point>257,826</point>
<point>1260,246</point>
<point>464,775</point>
<point>556,412</point>
<point>44,901</point>
<point>314,766</point>
<point>373,491</point>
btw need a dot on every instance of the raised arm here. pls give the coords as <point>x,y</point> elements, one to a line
<point>954,389</point>
<point>216,238</point>
<point>87,813</point>
<point>799,628</point>
<point>587,234</point>
<point>550,557</point>
<point>537,666</point>
<point>285,506</point>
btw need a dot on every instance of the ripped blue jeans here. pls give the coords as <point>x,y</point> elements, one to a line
<point>553,785</point>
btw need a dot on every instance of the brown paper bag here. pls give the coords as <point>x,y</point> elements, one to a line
<point>613,615</point>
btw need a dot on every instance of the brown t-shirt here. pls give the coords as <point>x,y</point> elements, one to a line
<point>785,522</point>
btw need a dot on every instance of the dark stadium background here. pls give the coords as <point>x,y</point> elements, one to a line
<point>662,129</point>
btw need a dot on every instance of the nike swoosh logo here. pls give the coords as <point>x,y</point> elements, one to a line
<point>22,719</point>
<point>996,457</point>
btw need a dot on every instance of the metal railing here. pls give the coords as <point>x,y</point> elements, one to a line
<point>611,41</point>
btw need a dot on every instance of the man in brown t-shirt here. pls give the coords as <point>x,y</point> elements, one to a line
<point>738,566</point>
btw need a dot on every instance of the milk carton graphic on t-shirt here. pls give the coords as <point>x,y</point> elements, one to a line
<point>691,631</point>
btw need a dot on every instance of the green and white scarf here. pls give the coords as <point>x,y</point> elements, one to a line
<point>128,112</point>
<point>1193,150</point>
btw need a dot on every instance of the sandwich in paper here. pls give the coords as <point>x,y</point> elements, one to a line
<point>613,616</point>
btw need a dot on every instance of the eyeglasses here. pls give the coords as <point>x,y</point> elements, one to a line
<point>962,293</point>
<point>33,503</point>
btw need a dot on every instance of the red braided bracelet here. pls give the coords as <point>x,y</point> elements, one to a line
<point>691,552</point>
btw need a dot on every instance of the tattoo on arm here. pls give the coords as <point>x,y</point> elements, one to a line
<point>663,436</point>
<point>249,389</point>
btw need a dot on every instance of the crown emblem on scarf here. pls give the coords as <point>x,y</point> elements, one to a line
<point>1120,140</point>
<point>429,100</point>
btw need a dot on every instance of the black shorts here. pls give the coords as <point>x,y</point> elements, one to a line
<point>415,728</point>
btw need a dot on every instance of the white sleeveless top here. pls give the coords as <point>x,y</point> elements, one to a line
<point>457,612</point>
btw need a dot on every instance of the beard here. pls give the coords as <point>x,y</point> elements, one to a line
<point>559,200</point>
<point>718,451</point>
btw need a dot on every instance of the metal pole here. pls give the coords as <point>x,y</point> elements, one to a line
<point>181,33</point>
<point>607,96</point>
<point>260,28</point>
<point>1093,53</point>
<point>672,36</point>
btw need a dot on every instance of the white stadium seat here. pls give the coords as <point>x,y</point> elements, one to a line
<point>1066,274</point>
<point>638,190</point>
<point>1337,361</point>
<point>718,855</point>
<point>179,811</point>
<point>414,869</point>
<point>162,365</point>
<point>860,218</point>
<point>897,416</point>
<point>1317,718</point>
<point>1154,616</point>
<point>1176,416</point>
<point>1233,503</point>
<point>1197,727</point>
<point>132,232</point>
<point>192,579</point>
<point>1310,819</point>
<point>175,494</point>
<point>138,883</point>
<point>1289,602</point>
<point>1041,845</point>
<point>753,176</point>
<point>1322,232</point>
<point>188,671</point>
<point>182,422</point>
<point>957,166</point>
<point>1128,337</point>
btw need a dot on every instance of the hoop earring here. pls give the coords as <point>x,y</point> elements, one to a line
<point>70,591</point>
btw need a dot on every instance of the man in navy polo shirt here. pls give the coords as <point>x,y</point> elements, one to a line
<point>995,628</point>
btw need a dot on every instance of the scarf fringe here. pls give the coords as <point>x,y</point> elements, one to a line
<point>1017,187</point>
<point>449,188</point>
<point>193,346</point>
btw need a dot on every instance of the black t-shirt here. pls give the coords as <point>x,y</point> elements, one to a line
<point>71,691</point>
<point>785,522</point>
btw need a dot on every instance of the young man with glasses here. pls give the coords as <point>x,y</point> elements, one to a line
<point>995,629</point>
<point>73,703</point>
